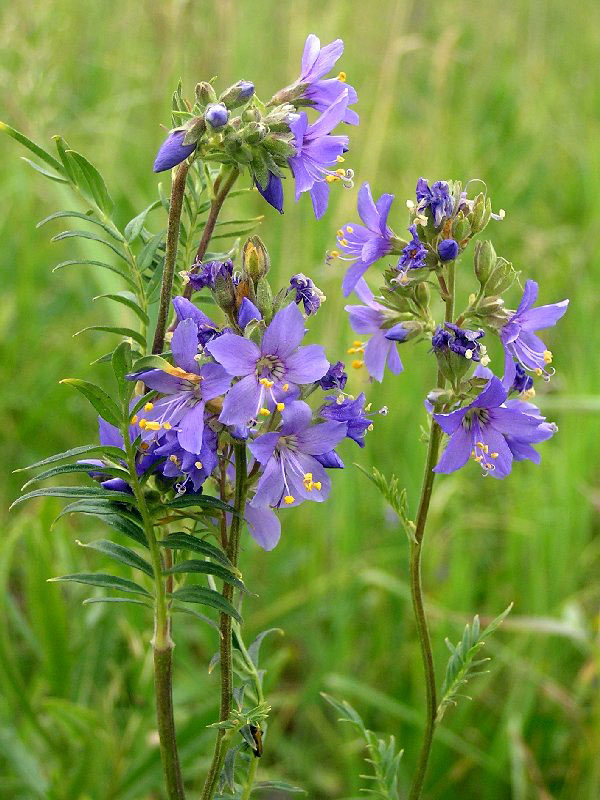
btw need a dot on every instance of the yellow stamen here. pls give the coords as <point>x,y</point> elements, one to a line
<point>153,426</point>
<point>547,356</point>
<point>285,387</point>
<point>340,159</point>
<point>167,426</point>
<point>173,459</point>
<point>351,350</point>
<point>143,423</point>
<point>288,499</point>
<point>340,234</point>
<point>280,406</point>
<point>264,412</point>
<point>266,383</point>
<point>198,464</point>
<point>334,253</point>
<point>148,406</point>
<point>332,178</point>
<point>529,394</point>
<point>341,172</point>
<point>538,371</point>
<point>341,77</point>
<point>357,363</point>
<point>494,455</point>
<point>349,229</point>
<point>370,428</point>
<point>317,485</point>
<point>468,354</point>
<point>134,419</point>
<point>144,445</point>
<point>480,445</point>
<point>357,343</point>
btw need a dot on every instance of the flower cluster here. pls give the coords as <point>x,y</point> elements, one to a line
<point>237,129</point>
<point>489,419</point>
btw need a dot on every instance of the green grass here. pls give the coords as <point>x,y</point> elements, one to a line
<point>457,89</point>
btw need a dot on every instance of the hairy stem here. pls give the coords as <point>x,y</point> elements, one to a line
<point>416,588</point>
<point>226,660</point>
<point>161,642</point>
<point>177,192</point>
<point>223,188</point>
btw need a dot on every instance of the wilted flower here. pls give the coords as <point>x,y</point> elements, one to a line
<point>335,377</point>
<point>204,274</point>
<point>463,342</point>
<point>437,198</point>
<point>306,293</point>
<point>172,151</point>
<point>414,254</point>
<point>192,469</point>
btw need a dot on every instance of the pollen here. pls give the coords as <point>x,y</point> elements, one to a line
<point>143,423</point>
<point>538,371</point>
<point>264,412</point>
<point>134,419</point>
<point>266,383</point>
<point>148,406</point>
<point>334,253</point>
<point>174,460</point>
<point>349,229</point>
<point>332,178</point>
<point>485,360</point>
<point>370,428</point>
<point>341,77</point>
<point>357,363</point>
<point>198,464</point>
<point>285,387</point>
<point>153,426</point>
<point>494,455</point>
<point>341,172</point>
<point>357,343</point>
<point>547,356</point>
<point>288,499</point>
<point>340,234</point>
<point>468,354</point>
<point>280,406</point>
<point>340,159</point>
<point>317,485</point>
<point>167,426</point>
<point>144,445</point>
<point>529,394</point>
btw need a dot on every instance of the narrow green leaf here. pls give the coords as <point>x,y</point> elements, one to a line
<point>206,568</point>
<point>95,182</point>
<point>135,225</point>
<point>126,299</point>
<point>280,786</point>
<point>112,514</point>
<point>146,257</point>
<point>104,580</point>
<point>69,166</point>
<point>46,173</point>
<point>150,362</point>
<point>145,398</point>
<point>254,648</point>
<point>94,263</point>
<point>65,469</point>
<point>89,600</point>
<point>88,217</point>
<point>104,405</point>
<point>206,597</point>
<point>112,452</point>
<point>92,237</point>
<point>129,332</point>
<point>121,364</point>
<point>91,492</point>
<point>119,553</point>
<point>184,541</point>
<point>206,502</point>
<point>176,608</point>
<point>35,149</point>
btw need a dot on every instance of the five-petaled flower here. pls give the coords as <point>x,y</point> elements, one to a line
<point>414,253</point>
<point>267,370</point>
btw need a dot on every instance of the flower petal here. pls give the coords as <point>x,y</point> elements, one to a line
<point>242,401</point>
<point>236,354</point>
<point>543,316</point>
<point>307,364</point>
<point>215,381</point>
<point>457,451</point>
<point>285,332</point>
<point>263,525</point>
<point>320,439</point>
<point>191,429</point>
<point>263,446</point>
<point>296,417</point>
<point>184,345</point>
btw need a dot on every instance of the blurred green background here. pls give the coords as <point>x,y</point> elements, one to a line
<point>450,89</point>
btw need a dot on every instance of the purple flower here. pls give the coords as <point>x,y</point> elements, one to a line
<point>192,469</point>
<point>437,198</point>
<point>204,274</point>
<point>306,292</point>
<point>492,431</point>
<point>317,149</point>
<point>110,436</point>
<point>522,382</point>
<point>518,335</point>
<point>216,114</point>
<point>335,377</point>
<point>317,61</point>
<point>247,312</point>
<point>448,249</point>
<point>381,347</point>
<point>207,329</point>
<point>414,254</point>
<point>350,411</point>
<point>272,192</point>
<point>462,342</point>
<point>263,525</point>
<point>172,151</point>
<point>291,471</point>
<point>369,242</point>
<point>187,387</point>
<point>277,365</point>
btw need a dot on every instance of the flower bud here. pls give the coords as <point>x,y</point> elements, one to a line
<point>251,115</point>
<point>448,249</point>
<point>264,299</point>
<point>173,151</point>
<point>255,259</point>
<point>461,228</point>
<point>484,259</point>
<point>237,94</point>
<point>224,293</point>
<point>216,115</point>
<point>501,278</point>
<point>194,130</point>
<point>254,132</point>
<point>422,294</point>
<point>205,93</point>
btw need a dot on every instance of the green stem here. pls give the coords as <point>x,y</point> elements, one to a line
<point>161,642</point>
<point>226,659</point>
<point>223,190</point>
<point>175,205</point>
<point>250,778</point>
<point>416,588</point>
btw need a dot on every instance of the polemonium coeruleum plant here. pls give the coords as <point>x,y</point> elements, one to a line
<point>474,414</point>
<point>217,421</point>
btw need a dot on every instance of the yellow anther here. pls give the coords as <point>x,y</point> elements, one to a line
<point>285,387</point>
<point>529,394</point>
<point>547,356</point>
<point>264,412</point>
<point>332,178</point>
<point>148,406</point>
<point>494,455</point>
<point>307,477</point>
<point>349,229</point>
<point>340,234</point>
<point>468,354</point>
<point>288,499</point>
<point>334,253</point>
<point>538,371</point>
<point>280,406</point>
<point>341,77</point>
<point>368,407</point>
<point>357,363</point>
<point>340,159</point>
<point>143,423</point>
<point>198,464</point>
<point>174,459</point>
<point>480,445</point>
<point>478,458</point>
<point>370,428</point>
<point>144,445</point>
<point>266,383</point>
<point>317,485</point>
<point>357,343</point>
<point>153,426</point>
<point>472,453</point>
<point>485,360</point>
<point>351,350</point>
<point>167,426</point>
<point>134,419</point>
<point>485,449</point>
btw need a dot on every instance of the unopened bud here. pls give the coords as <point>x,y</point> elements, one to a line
<point>501,278</point>
<point>205,93</point>
<point>255,259</point>
<point>237,94</point>
<point>194,130</point>
<point>484,259</point>
<point>216,115</point>
<point>254,132</point>
<point>422,294</point>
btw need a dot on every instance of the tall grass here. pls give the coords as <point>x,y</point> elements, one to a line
<point>456,89</point>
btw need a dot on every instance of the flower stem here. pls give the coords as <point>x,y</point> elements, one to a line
<point>250,778</point>
<point>226,661</point>
<point>177,192</point>
<point>416,588</point>
<point>223,189</point>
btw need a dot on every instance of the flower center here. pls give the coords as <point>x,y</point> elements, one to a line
<point>270,367</point>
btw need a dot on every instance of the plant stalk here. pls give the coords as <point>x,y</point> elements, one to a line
<point>416,588</point>
<point>226,659</point>
<point>166,290</point>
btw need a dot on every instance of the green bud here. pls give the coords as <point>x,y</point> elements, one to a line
<point>422,294</point>
<point>194,130</point>
<point>484,259</point>
<point>461,228</point>
<point>279,146</point>
<point>224,293</point>
<point>502,277</point>
<point>452,366</point>
<point>237,95</point>
<point>254,132</point>
<point>476,215</point>
<point>440,397</point>
<point>251,115</point>
<point>255,259</point>
<point>492,312</point>
<point>264,299</point>
<point>205,93</point>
